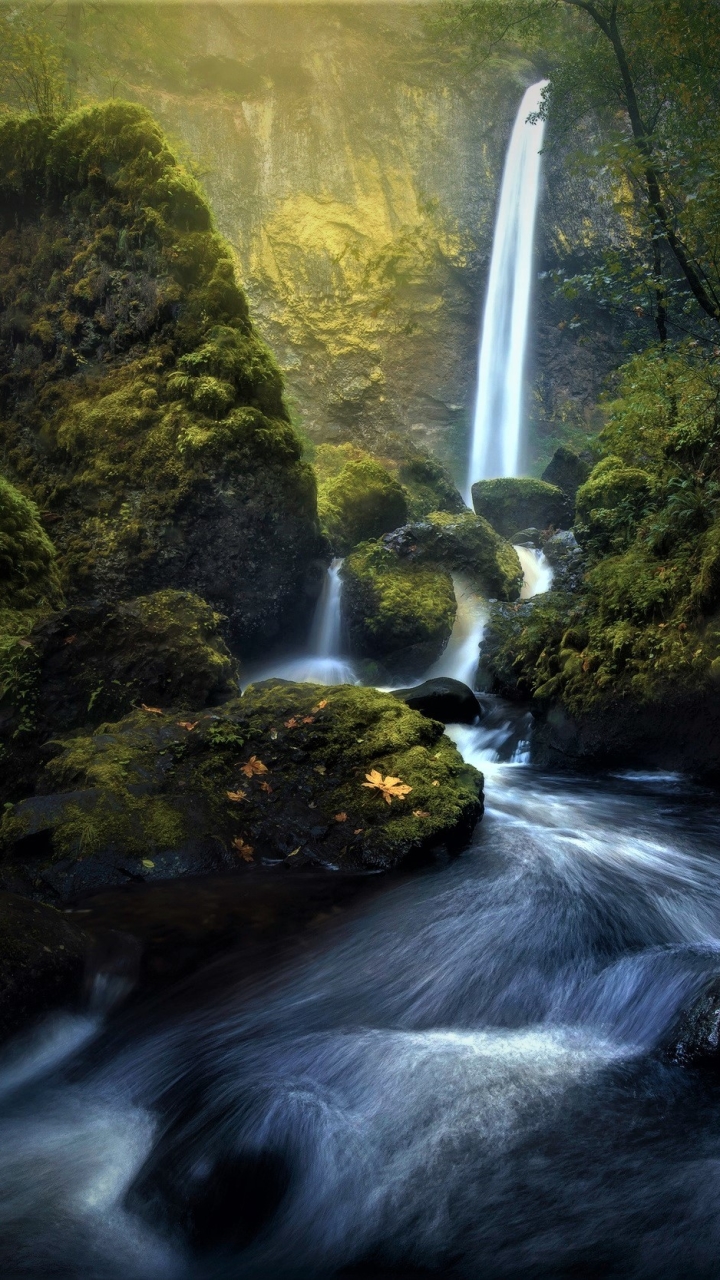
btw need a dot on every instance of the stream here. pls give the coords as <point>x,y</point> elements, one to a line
<point>458,1075</point>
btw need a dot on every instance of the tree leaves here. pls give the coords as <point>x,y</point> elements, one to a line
<point>246,851</point>
<point>189,725</point>
<point>236,796</point>
<point>153,711</point>
<point>390,788</point>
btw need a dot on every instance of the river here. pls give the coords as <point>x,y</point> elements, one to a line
<point>458,1076</point>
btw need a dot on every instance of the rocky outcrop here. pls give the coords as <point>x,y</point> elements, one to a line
<point>140,410</point>
<point>279,774</point>
<point>567,471</point>
<point>449,701</point>
<point>510,504</point>
<point>397,611</point>
<point>361,502</point>
<point>465,544</point>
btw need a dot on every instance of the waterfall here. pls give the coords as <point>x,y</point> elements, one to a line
<point>496,438</point>
<point>322,664</point>
<point>537,572</point>
<point>460,658</point>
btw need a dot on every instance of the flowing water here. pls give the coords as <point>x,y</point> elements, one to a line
<point>537,572</point>
<point>496,444</point>
<point>323,663</point>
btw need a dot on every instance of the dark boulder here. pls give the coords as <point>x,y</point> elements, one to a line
<point>567,471</point>
<point>512,503</point>
<point>695,1037</point>
<point>42,961</point>
<point>449,701</point>
<point>566,559</point>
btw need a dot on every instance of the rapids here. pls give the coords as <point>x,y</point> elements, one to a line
<point>459,1076</point>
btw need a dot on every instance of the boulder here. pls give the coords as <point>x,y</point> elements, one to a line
<point>513,503</point>
<point>278,775</point>
<point>695,1038</point>
<point>464,544</point>
<point>567,471</point>
<point>396,610</point>
<point>567,560</point>
<point>362,501</point>
<point>449,701</point>
<point>42,961</point>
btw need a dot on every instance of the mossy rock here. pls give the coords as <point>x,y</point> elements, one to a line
<point>566,470</point>
<point>465,544</point>
<point>139,409</point>
<point>396,611</point>
<point>277,774</point>
<point>611,503</point>
<point>28,571</point>
<point>426,483</point>
<point>88,663</point>
<point>512,503</point>
<point>361,502</point>
<point>42,961</point>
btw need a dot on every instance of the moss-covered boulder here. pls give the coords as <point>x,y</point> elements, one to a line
<point>42,961</point>
<point>513,503</point>
<point>277,774</point>
<point>28,570</point>
<point>88,663</point>
<point>426,483</point>
<point>611,503</point>
<point>138,408</point>
<point>397,611</point>
<point>465,544</point>
<point>361,502</point>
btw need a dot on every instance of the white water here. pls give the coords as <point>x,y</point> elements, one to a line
<point>460,658</point>
<point>324,663</point>
<point>537,572</point>
<point>496,440</point>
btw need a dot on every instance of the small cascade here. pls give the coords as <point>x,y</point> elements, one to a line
<point>323,663</point>
<point>496,439</point>
<point>537,572</point>
<point>460,658</point>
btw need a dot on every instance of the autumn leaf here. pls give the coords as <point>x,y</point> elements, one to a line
<point>358,831</point>
<point>390,788</point>
<point>69,639</point>
<point>295,851</point>
<point>320,768</point>
<point>147,862</point>
<point>435,783</point>
<point>308,719</point>
<point>341,817</point>
<point>420,813</point>
<point>265,786</point>
<point>252,766</point>
<point>188,724</point>
<point>236,796</point>
<point>320,706</point>
<point>291,723</point>
<point>245,850</point>
<point>155,711</point>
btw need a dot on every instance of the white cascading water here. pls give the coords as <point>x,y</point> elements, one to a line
<point>496,439</point>
<point>537,572</point>
<point>323,663</point>
<point>460,658</point>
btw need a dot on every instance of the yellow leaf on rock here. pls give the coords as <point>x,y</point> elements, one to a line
<point>155,711</point>
<point>253,766</point>
<point>341,817</point>
<point>320,706</point>
<point>188,724</point>
<point>245,850</point>
<point>236,796</point>
<point>147,863</point>
<point>390,788</point>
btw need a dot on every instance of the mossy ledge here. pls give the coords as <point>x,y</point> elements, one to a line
<point>277,774</point>
<point>138,408</point>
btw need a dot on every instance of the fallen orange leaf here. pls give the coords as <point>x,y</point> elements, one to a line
<point>358,831</point>
<point>291,723</point>
<point>308,719</point>
<point>341,817</point>
<point>390,788</point>
<point>435,783</point>
<point>265,786</point>
<point>252,766</point>
<point>235,796</point>
<point>155,711</point>
<point>188,724</point>
<point>245,850</point>
<point>420,813</point>
<point>320,706</point>
<point>69,639</point>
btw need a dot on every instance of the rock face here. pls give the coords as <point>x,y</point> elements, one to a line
<point>449,701</point>
<point>140,410</point>
<point>42,960</point>
<point>695,1038</point>
<point>566,470</point>
<point>511,504</point>
<point>279,774</point>
<point>395,610</point>
<point>465,544</point>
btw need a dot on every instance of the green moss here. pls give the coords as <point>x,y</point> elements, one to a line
<point>512,504</point>
<point>397,611</point>
<point>360,502</point>
<point>426,483</point>
<point>28,573</point>
<point>148,784</point>
<point>611,503</point>
<point>464,544</point>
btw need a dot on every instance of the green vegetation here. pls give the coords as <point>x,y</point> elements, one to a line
<point>28,572</point>
<point>281,772</point>
<point>464,544</point>
<point>398,611</point>
<point>513,504</point>
<point>362,501</point>
<point>139,409</point>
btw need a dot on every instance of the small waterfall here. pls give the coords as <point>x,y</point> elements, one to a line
<point>460,659</point>
<point>537,572</point>
<point>496,439</point>
<point>322,664</point>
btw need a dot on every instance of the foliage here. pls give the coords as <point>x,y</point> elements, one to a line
<point>28,572</point>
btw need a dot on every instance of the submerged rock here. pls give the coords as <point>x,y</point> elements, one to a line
<point>42,961</point>
<point>278,774</point>
<point>397,611</point>
<point>444,699</point>
<point>465,544</point>
<point>513,503</point>
<point>695,1038</point>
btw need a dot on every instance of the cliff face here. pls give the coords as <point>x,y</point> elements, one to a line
<point>356,180</point>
